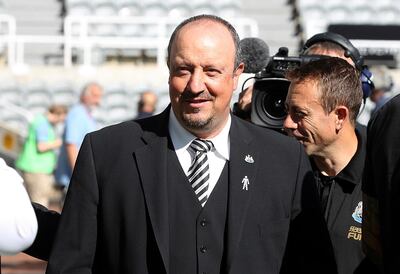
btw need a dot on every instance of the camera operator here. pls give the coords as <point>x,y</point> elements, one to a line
<point>323,102</point>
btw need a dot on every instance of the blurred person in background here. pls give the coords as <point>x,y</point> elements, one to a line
<point>147,104</point>
<point>323,102</point>
<point>380,94</point>
<point>383,86</point>
<point>78,123</point>
<point>18,224</point>
<point>37,160</point>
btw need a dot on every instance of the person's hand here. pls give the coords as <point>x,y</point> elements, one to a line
<point>58,143</point>
<point>244,102</point>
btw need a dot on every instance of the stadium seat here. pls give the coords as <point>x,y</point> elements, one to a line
<point>104,8</point>
<point>78,7</point>
<point>115,96</point>
<point>130,30</point>
<point>10,92</point>
<point>100,115</point>
<point>118,114</point>
<point>377,5</point>
<point>388,15</point>
<point>362,15</point>
<point>354,4</point>
<point>314,20</point>
<point>314,12</point>
<point>203,7</point>
<point>63,93</point>
<point>338,14</point>
<point>153,8</point>
<point>36,97</point>
<point>228,8</point>
<point>129,7</point>
<point>305,4</point>
<point>178,8</point>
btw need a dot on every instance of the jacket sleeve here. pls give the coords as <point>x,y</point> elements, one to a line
<point>48,221</point>
<point>309,249</point>
<point>75,242</point>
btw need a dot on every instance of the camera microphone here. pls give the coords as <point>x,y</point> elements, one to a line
<point>255,54</point>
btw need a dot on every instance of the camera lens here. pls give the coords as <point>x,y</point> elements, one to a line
<point>268,102</point>
<point>274,104</point>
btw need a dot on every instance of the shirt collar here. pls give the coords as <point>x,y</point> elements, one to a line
<point>352,172</point>
<point>181,138</point>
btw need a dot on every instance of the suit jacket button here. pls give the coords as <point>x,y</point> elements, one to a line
<point>203,249</point>
<point>203,223</point>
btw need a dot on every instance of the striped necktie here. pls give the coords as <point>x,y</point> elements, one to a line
<point>199,172</point>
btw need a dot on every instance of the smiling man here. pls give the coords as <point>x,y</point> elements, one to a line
<point>193,189</point>
<point>322,103</point>
<point>201,84</point>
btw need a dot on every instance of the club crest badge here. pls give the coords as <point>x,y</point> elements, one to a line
<point>357,214</point>
<point>249,159</point>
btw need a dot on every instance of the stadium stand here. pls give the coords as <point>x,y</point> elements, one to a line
<point>178,8</point>
<point>50,48</point>
<point>9,92</point>
<point>63,93</point>
<point>36,97</point>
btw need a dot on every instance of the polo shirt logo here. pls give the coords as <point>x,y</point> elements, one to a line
<point>357,214</point>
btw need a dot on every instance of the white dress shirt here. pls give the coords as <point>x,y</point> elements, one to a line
<point>18,224</point>
<point>181,139</point>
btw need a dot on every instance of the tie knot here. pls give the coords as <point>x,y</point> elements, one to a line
<point>201,145</point>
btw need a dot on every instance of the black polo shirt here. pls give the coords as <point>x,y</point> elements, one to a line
<point>341,201</point>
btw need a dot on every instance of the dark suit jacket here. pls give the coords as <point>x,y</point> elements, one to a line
<point>115,217</point>
<point>381,188</point>
<point>47,227</point>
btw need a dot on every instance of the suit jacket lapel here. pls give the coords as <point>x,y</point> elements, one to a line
<point>243,165</point>
<point>152,166</point>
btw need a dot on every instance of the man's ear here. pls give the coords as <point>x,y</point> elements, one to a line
<point>342,113</point>
<point>236,74</point>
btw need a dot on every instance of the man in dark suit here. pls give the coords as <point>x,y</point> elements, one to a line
<point>380,188</point>
<point>194,189</point>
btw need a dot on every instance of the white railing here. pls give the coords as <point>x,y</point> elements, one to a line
<point>8,38</point>
<point>78,35</point>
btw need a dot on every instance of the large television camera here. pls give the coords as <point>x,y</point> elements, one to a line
<point>270,89</point>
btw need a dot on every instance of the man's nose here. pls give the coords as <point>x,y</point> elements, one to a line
<point>289,124</point>
<point>196,82</point>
